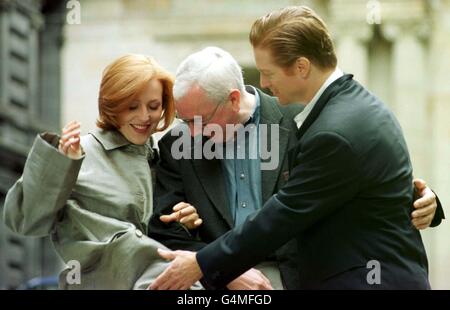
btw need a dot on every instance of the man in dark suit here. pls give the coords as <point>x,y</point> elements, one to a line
<point>225,191</point>
<point>348,198</point>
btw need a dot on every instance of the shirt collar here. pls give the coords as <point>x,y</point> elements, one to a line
<point>301,117</point>
<point>254,115</point>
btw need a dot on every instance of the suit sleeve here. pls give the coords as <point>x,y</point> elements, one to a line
<point>439,215</point>
<point>324,178</point>
<point>32,204</point>
<point>169,190</point>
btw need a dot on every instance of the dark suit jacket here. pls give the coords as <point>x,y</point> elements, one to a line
<point>201,183</point>
<point>347,202</point>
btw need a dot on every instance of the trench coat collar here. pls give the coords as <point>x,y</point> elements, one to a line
<point>113,139</point>
<point>109,139</point>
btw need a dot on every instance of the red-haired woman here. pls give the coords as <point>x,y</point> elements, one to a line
<point>93,194</point>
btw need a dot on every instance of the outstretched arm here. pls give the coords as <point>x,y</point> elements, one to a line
<point>32,204</point>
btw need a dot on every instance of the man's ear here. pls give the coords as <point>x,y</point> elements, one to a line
<point>303,67</point>
<point>235,98</point>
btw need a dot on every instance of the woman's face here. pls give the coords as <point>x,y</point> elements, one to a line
<point>141,118</point>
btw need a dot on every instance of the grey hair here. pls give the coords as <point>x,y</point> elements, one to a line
<point>214,70</point>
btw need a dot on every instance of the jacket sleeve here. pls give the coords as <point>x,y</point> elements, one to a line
<point>169,191</point>
<point>32,204</point>
<point>439,215</point>
<point>325,177</point>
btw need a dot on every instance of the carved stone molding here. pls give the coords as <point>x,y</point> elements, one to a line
<point>393,30</point>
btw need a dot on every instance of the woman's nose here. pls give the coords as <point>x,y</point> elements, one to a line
<point>144,113</point>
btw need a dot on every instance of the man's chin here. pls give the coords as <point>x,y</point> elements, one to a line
<point>283,101</point>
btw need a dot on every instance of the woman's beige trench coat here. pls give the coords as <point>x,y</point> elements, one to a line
<point>96,209</point>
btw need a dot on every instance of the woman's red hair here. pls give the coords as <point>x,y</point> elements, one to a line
<point>123,80</point>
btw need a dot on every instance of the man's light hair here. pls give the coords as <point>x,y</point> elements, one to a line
<point>214,70</point>
<point>293,32</point>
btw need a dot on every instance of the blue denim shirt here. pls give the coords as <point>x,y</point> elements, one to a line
<point>242,172</point>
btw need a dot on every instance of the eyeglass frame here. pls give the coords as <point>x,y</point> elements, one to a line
<point>204,122</point>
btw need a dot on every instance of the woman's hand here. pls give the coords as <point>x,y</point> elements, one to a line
<point>69,144</point>
<point>184,213</point>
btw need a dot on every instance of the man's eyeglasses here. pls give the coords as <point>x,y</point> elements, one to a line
<point>206,120</point>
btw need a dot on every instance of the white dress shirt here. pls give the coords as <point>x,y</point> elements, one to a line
<point>300,117</point>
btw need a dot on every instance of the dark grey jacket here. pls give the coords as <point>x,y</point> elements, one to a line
<point>347,202</point>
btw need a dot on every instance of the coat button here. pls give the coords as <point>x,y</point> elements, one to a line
<point>138,233</point>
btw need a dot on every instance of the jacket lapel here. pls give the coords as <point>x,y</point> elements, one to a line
<point>211,177</point>
<point>270,114</point>
<point>315,112</point>
<point>323,100</point>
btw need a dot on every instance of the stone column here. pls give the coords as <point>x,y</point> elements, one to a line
<point>352,53</point>
<point>36,24</point>
<point>351,33</point>
<point>439,154</point>
<point>409,87</point>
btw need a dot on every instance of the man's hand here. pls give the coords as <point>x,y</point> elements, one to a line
<point>252,279</point>
<point>425,206</point>
<point>182,272</point>
<point>184,213</point>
